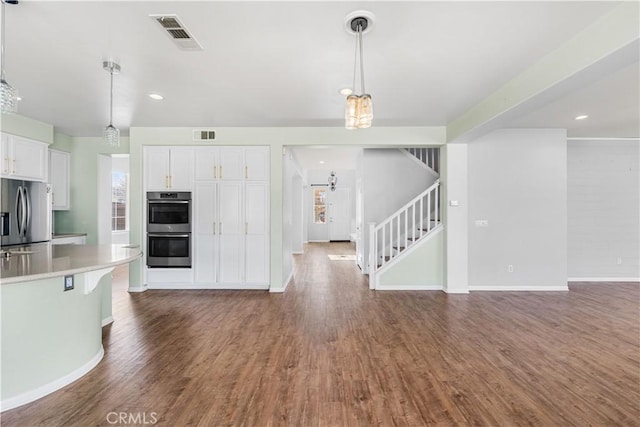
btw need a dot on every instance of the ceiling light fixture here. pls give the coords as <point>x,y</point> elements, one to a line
<point>111,133</point>
<point>8,94</point>
<point>333,181</point>
<point>156,96</point>
<point>582,117</point>
<point>359,110</point>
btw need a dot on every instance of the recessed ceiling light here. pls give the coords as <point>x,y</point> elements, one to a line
<point>19,98</point>
<point>346,91</point>
<point>321,162</point>
<point>582,117</point>
<point>156,96</point>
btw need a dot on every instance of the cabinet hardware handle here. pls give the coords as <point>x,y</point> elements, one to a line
<point>14,165</point>
<point>6,165</point>
<point>214,227</point>
<point>246,172</point>
<point>215,175</point>
<point>220,171</point>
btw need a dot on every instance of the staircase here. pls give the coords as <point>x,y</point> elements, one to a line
<point>413,223</point>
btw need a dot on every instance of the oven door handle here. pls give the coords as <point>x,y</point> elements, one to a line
<point>167,235</point>
<point>169,201</point>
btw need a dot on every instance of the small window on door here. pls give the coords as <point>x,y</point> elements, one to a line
<point>320,205</point>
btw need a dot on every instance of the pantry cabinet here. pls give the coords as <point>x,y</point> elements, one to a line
<point>169,168</point>
<point>23,158</point>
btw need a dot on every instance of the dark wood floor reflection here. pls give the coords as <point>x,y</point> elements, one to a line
<point>329,352</point>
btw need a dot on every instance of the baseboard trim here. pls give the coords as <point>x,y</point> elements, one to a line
<point>409,288</point>
<point>298,253</point>
<point>42,391</point>
<point>137,289</point>
<point>281,289</point>
<point>526,288</point>
<point>318,241</point>
<point>107,321</point>
<point>603,279</point>
<point>211,286</point>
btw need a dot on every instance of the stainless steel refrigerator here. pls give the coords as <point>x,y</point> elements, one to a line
<point>25,212</point>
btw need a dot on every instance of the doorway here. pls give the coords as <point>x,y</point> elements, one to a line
<point>339,214</point>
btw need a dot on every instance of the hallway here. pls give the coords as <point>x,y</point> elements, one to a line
<point>331,352</point>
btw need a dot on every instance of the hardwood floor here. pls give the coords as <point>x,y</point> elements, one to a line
<point>329,352</point>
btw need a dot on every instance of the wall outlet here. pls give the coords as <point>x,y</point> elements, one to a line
<point>619,261</point>
<point>68,283</point>
<point>482,222</point>
<point>510,268</point>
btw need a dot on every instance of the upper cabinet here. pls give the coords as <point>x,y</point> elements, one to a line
<point>24,158</point>
<point>168,168</point>
<point>59,174</point>
<point>232,164</point>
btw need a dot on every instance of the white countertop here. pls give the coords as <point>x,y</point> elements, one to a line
<point>44,260</point>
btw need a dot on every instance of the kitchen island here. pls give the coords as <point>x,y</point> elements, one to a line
<point>54,301</point>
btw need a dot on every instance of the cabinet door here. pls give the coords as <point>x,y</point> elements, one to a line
<point>204,201</point>
<point>5,155</point>
<point>181,176</point>
<point>157,168</point>
<point>257,163</point>
<point>30,159</point>
<point>206,163</point>
<point>231,164</point>
<point>205,227</point>
<point>257,233</point>
<point>59,167</point>
<point>231,232</point>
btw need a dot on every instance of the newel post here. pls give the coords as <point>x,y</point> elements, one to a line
<point>373,251</point>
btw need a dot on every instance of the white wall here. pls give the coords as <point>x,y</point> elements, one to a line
<point>518,183</point>
<point>603,185</point>
<point>390,179</point>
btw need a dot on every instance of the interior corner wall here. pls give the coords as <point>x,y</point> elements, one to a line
<point>603,184</point>
<point>82,217</point>
<point>518,183</point>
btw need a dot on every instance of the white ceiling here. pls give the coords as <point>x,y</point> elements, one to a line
<point>280,63</point>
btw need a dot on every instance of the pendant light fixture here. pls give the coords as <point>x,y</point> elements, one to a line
<point>359,111</point>
<point>333,181</point>
<point>8,94</point>
<point>111,133</point>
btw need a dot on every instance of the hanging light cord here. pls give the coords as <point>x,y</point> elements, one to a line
<point>361,62</point>
<point>111,98</point>
<point>355,63</point>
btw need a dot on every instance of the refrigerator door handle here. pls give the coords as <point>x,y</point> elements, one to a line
<point>19,210</point>
<point>27,216</point>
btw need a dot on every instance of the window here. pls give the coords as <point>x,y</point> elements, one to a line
<point>119,184</point>
<point>320,205</point>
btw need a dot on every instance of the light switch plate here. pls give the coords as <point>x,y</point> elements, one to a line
<point>454,203</point>
<point>68,283</point>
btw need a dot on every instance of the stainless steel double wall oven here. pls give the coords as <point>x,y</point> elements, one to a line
<point>169,229</point>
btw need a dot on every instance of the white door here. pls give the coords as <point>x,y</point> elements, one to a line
<point>206,159</point>
<point>339,214</point>
<point>360,228</point>
<point>205,232</point>
<point>181,177</point>
<point>257,163</point>
<point>157,168</point>
<point>318,226</point>
<point>256,233</point>
<point>231,231</point>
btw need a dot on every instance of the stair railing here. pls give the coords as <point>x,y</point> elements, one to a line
<point>430,156</point>
<point>403,228</point>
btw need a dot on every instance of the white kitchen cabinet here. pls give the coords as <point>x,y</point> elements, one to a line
<point>207,164</point>
<point>205,232</point>
<point>231,232</point>
<point>256,238</point>
<point>257,164</point>
<point>24,158</point>
<point>59,178</point>
<point>231,164</point>
<point>168,168</point>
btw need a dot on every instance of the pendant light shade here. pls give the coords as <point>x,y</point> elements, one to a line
<point>8,94</point>
<point>111,134</point>
<point>359,109</point>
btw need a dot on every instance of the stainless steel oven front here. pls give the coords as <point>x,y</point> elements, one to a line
<point>169,229</point>
<point>169,212</point>
<point>169,250</point>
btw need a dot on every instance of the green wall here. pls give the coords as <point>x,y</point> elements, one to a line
<point>83,215</point>
<point>16,124</point>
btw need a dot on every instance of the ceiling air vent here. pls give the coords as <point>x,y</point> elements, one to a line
<point>177,32</point>
<point>204,135</point>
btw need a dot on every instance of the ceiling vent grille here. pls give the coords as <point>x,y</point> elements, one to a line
<point>204,135</point>
<point>177,32</point>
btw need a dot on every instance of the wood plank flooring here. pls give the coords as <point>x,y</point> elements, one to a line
<point>329,352</point>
